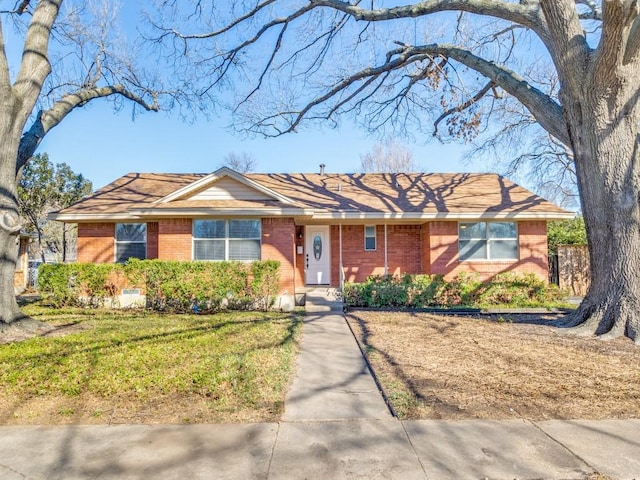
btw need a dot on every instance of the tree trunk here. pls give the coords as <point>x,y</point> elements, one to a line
<point>607,161</point>
<point>9,219</point>
<point>64,243</point>
<point>11,318</point>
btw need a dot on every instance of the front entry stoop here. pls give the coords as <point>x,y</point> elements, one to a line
<point>323,299</point>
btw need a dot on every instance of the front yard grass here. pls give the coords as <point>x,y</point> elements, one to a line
<point>102,367</point>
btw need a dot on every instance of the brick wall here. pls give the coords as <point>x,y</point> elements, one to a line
<point>174,239</point>
<point>404,248</point>
<point>152,240</point>
<point>534,255</point>
<point>96,243</point>
<point>424,247</point>
<point>404,253</point>
<point>532,246</point>
<point>278,243</point>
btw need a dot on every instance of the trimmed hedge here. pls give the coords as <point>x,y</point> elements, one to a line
<point>169,285</point>
<point>424,291</point>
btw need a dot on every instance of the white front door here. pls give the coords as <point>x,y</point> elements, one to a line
<point>317,255</point>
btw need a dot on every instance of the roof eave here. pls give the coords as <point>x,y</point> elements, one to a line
<point>329,215</point>
<point>219,212</point>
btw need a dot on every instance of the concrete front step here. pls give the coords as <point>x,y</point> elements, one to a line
<point>323,299</point>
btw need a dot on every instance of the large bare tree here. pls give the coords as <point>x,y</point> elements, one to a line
<point>453,61</point>
<point>70,56</point>
<point>388,157</point>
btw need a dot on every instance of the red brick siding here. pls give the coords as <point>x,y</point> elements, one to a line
<point>152,240</point>
<point>96,243</point>
<point>443,247</point>
<point>424,247</point>
<point>532,245</point>
<point>357,263</point>
<point>174,239</point>
<point>532,242</point>
<point>404,252</point>
<point>278,243</point>
<point>404,248</point>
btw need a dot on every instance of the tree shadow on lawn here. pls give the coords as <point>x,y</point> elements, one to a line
<point>98,349</point>
<point>395,367</point>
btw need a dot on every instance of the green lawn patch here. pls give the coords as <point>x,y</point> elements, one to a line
<point>139,367</point>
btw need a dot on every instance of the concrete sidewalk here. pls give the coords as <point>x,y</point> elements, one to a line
<point>335,426</point>
<point>363,449</point>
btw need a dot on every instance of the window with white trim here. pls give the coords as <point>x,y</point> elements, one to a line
<point>131,241</point>
<point>369,237</point>
<point>227,239</point>
<point>488,241</point>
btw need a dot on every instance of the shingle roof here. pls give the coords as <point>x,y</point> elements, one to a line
<point>402,193</point>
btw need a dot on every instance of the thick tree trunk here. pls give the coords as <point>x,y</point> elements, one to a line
<point>11,318</point>
<point>9,217</point>
<point>607,157</point>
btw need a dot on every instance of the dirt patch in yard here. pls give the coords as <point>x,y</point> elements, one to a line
<point>500,367</point>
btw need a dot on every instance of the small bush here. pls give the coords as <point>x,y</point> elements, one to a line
<point>465,290</point>
<point>79,284</point>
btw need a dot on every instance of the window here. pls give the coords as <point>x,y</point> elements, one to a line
<point>488,241</point>
<point>370,237</point>
<point>131,241</point>
<point>226,240</point>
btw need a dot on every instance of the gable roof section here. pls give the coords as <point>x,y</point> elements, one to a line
<point>406,197</point>
<point>224,184</point>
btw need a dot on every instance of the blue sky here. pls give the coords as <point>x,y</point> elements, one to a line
<point>104,145</point>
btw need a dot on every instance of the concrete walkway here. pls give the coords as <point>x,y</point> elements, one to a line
<point>335,426</point>
<point>332,380</point>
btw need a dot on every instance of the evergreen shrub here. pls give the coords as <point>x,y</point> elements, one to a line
<point>464,290</point>
<point>169,285</point>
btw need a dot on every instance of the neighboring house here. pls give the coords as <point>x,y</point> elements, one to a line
<point>325,229</point>
<point>21,275</point>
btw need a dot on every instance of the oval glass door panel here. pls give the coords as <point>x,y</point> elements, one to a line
<point>317,247</point>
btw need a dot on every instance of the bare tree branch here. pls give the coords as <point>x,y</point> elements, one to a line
<point>525,14</point>
<point>463,106</point>
<point>5,77</point>
<point>546,110</point>
<point>19,8</point>
<point>35,65</point>
<point>595,12</point>
<point>620,18</point>
<point>572,53</point>
<point>46,120</point>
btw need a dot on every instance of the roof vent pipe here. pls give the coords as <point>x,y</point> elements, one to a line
<point>322,165</point>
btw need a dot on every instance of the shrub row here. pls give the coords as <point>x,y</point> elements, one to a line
<point>423,291</point>
<point>169,285</point>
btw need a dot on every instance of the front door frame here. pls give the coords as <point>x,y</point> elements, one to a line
<point>317,271</point>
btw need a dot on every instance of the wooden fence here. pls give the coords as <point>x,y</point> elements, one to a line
<point>570,269</point>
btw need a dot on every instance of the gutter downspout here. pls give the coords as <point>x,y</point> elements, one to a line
<point>386,258</point>
<point>341,267</point>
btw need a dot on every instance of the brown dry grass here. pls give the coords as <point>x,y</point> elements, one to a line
<point>445,367</point>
